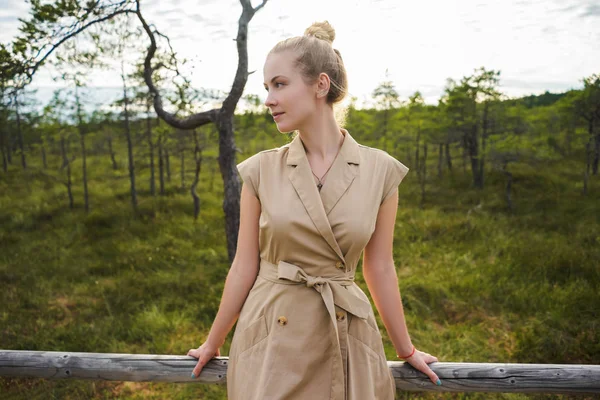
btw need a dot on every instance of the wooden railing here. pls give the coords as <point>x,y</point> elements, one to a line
<point>456,377</point>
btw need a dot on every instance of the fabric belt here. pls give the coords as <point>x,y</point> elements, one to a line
<point>331,288</point>
<point>333,292</point>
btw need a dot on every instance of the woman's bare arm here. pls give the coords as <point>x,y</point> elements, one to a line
<point>380,275</point>
<point>243,271</point>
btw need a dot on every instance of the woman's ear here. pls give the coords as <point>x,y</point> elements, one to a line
<point>323,84</point>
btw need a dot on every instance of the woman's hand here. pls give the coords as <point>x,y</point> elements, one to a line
<point>419,360</point>
<point>203,353</point>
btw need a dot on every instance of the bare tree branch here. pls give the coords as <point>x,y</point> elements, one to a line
<point>190,122</point>
<point>261,5</point>
<point>241,75</point>
<point>29,71</point>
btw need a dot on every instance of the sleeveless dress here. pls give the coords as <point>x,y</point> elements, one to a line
<point>306,330</point>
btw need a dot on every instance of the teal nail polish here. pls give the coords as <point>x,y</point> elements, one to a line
<point>438,382</point>
<point>193,376</point>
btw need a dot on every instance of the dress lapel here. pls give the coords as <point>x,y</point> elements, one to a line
<point>338,179</point>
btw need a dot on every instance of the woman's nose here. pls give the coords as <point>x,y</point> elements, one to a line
<point>269,100</point>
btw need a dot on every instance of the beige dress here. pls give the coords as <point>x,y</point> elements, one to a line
<point>306,330</point>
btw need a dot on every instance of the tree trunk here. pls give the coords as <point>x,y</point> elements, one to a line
<point>198,161</point>
<point>9,149</point>
<point>84,171</point>
<point>112,153</point>
<point>448,157</point>
<point>167,163</point>
<point>231,183</point>
<point>67,163</point>
<point>4,159</point>
<point>20,133</point>
<point>44,158</point>
<point>473,152</point>
<point>133,190</point>
<point>440,159</point>
<point>161,165</point>
<point>483,142</point>
<point>151,147</point>
<point>182,166</point>
<point>83,152</point>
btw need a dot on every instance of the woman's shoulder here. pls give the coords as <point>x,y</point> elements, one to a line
<point>375,155</point>
<point>270,154</point>
<point>266,156</point>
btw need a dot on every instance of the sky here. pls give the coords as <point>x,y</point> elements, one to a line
<point>537,45</point>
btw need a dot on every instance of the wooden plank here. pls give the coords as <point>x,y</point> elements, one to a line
<point>500,377</point>
<point>456,377</point>
<point>109,366</point>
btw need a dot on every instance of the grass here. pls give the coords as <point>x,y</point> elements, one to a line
<point>478,284</point>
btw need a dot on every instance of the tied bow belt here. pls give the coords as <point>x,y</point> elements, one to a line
<point>331,288</point>
<point>333,292</point>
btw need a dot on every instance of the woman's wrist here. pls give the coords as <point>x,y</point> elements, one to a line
<point>407,353</point>
<point>213,342</point>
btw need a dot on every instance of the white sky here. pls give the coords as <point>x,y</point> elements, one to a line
<point>537,45</point>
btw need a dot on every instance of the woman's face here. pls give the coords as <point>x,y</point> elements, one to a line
<point>290,100</point>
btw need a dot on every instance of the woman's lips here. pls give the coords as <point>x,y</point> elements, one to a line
<point>277,115</point>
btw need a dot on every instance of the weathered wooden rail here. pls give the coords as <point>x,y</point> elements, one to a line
<point>456,377</point>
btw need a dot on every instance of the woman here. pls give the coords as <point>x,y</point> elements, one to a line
<point>309,209</point>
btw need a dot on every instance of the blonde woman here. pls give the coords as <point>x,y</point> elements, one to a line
<point>309,209</point>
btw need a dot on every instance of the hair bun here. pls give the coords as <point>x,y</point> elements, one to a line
<point>321,30</point>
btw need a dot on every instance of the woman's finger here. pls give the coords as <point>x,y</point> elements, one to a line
<point>429,358</point>
<point>192,352</point>
<point>420,363</point>
<point>429,372</point>
<point>203,358</point>
<point>198,368</point>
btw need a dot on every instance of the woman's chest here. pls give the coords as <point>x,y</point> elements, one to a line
<point>292,216</point>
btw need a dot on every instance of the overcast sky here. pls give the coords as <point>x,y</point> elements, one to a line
<point>537,45</point>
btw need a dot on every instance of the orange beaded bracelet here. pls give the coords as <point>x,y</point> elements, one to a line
<point>410,355</point>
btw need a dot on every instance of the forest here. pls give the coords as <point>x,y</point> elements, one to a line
<point>118,221</point>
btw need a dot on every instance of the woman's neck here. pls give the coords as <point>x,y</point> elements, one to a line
<point>323,140</point>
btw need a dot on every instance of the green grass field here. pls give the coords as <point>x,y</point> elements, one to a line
<point>478,284</point>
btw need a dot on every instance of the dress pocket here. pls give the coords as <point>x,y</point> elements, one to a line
<point>361,330</point>
<point>254,333</point>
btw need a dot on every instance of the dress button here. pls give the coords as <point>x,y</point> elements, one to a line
<point>340,315</point>
<point>282,320</point>
<point>339,265</point>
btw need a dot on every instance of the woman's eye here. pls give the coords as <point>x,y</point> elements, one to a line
<point>276,85</point>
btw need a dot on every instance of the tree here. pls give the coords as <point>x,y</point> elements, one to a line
<point>468,105</point>
<point>53,23</point>
<point>386,98</point>
<point>586,105</point>
<point>360,122</point>
<point>55,122</point>
<point>413,122</point>
<point>73,64</point>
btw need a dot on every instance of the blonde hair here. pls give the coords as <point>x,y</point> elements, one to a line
<point>315,54</point>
